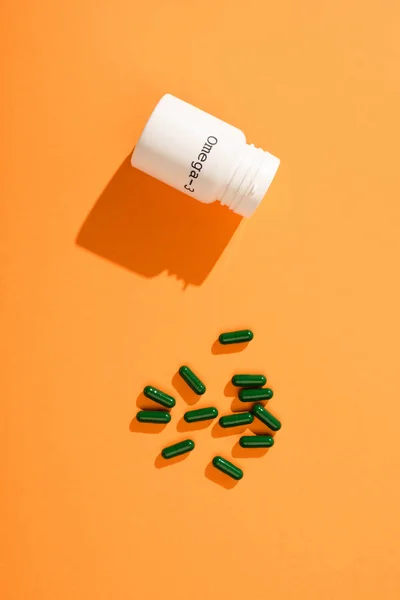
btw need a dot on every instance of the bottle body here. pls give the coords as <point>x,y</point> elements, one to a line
<point>203,156</point>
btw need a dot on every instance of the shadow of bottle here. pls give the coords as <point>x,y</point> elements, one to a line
<point>147,227</point>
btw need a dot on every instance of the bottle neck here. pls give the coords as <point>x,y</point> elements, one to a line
<point>251,178</point>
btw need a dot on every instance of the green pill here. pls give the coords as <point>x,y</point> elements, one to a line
<point>261,413</point>
<point>243,418</point>
<point>236,337</point>
<point>227,467</point>
<point>201,414</point>
<point>153,416</point>
<point>159,396</point>
<point>250,395</point>
<point>256,441</point>
<point>192,380</point>
<point>177,449</point>
<point>249,380</point>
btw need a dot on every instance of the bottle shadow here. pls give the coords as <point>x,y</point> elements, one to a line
<point>147,227</point>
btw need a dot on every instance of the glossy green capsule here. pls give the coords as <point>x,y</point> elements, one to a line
<point>236,337</point>
<point>177,449</point>
<point>201,414</point>
<point>261,413</point>
<point>254,395</point>
<point>227,467</point>
<point>243,418</point>
<point>256,441</point>
<point>159,396</point>
<point>251,381</point>
<point>153,416</point>
<point>192,380</point>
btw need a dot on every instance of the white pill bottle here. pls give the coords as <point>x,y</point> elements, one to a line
<point>204,157</point>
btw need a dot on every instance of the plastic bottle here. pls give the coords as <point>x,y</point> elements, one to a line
<point>203,157</point>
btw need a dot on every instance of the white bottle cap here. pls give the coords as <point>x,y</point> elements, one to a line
<point>251,180</point>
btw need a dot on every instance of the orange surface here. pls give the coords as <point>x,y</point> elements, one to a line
<point>100,297</point>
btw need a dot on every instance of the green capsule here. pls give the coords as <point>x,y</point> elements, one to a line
<point>227,467</point>
<point>251,381</point>
<point>256,441</point>
<point>159,396</point>
<point>201,414</point>
<point>153,416</point>
<point>261,413</point>
<point>254,395</point>
<point>243,418</point>
<point>236,337</point>
<point>177,449</point>
<point>192,380</point>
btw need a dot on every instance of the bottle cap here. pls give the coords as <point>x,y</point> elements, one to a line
<point>256,183</point>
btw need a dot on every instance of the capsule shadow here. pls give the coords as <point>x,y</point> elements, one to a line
<point>184,427</point>
<point>218,348</point>
<point>136,426</point>
<point>186,392</point>
<point>259,428</point>
<point>239,452</point>
<point>161,462</point>
<point>220,478</point>
<point>231,390</point>
<point>144,403</point>
<point>219,432</point>
<point>239,406</point>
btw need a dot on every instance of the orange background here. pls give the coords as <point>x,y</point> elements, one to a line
<point>110,281</point>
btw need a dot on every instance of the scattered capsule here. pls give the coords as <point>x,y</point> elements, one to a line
<point>177,449</point>
<point>192,380</point>
<point>261,413</point>
<point>236,337</point>
<point>251,381</point>
<point>256,441</point>
<point>254,395</point>
<point>201,414</point>
<point>227,467</point>
<point>243,418</point>
<point>159,396</point>
<point>153,416</point>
